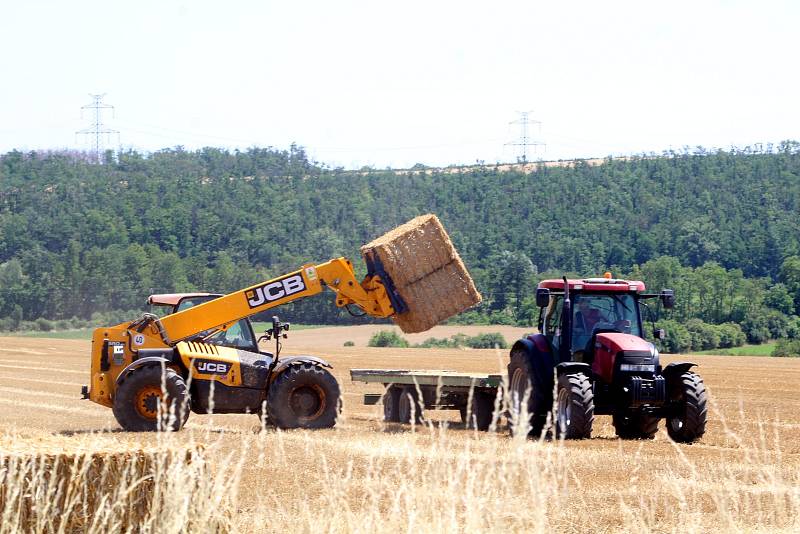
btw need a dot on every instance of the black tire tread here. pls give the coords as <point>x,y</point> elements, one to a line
<point>278,409</point>
<point>692,394</point>
<point>124,399</point>
<point>581,397</point>
<point>539,402</point>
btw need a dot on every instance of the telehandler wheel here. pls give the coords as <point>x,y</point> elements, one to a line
<point>635,426</point>
<point>304,396</point>
<point>688,424</point>
<point>408,405</point>
<point>391,404</point>
<point>574,406</point>
<point>522,382</point>
<point>139,402</point>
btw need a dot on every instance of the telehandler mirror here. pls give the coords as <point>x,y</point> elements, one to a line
<point>542,297</point>
<point>668,298</point>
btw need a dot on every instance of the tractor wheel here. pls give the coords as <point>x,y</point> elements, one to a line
<point>139,402</point>
<point>688,424</point>
<point>482,412</point>
<point>391,404</point>
<point>409,406</point>
<point>522,382</point>
<point>635,426</point>
<point>574,406</point>
<point>304,396</point>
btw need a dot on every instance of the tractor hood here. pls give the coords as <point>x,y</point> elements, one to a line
<point>614,342</point>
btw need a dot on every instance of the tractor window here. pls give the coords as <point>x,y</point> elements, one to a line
<point>552,320</point>
<point>238,336</point>
<point>597,311</point>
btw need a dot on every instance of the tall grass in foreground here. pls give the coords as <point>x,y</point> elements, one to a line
<point>429,478</point>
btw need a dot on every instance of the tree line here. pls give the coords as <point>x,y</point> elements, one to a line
<point>79,239</point>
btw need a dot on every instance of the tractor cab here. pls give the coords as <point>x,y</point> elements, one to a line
<point>239,335</point>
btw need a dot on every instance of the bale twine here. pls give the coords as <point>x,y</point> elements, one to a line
<point>60,485</point>
<point>427,272</point>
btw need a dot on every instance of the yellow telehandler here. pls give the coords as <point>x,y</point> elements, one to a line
<point>203,357</point>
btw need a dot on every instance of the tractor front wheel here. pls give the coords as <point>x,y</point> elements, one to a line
<point>574,406</point>
<point>303,396</point>
<point>688,423</point>
<point>152,398</point>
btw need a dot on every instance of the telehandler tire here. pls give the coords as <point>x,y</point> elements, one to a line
<point>139,400</point>
<point>521,380</point>
<point>689,423</point>
<point>574,406</point>
<point>304,396</point>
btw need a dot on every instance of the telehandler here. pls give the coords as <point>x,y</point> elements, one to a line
<point>204,356</point>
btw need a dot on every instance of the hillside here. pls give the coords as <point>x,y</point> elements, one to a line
<point>78,238</point>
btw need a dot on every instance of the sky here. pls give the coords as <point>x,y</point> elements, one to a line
<point>385,84</point>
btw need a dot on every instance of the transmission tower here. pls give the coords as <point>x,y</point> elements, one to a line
<point>525,140</point>
<point>97,128</point>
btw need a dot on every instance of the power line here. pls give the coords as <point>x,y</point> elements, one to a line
<point>97,128</point>
<point>524,140</point>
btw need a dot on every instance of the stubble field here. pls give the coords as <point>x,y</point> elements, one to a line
<point>367,476</point>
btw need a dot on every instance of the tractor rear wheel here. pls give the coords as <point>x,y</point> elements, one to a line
<point>408,406</point>
<point>574,406</point>
<point>304,396</point>
<point>635,426</point>
<point>391,404</point>
<point>523,383</point>
<point>152,398</point>
<point>688,424</point>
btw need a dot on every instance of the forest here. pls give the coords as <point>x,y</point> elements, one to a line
<point>82,241</point>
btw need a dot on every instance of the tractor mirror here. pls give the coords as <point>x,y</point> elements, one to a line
<point>542,297</point>
<point>660,333</point>
<point>668,298</point>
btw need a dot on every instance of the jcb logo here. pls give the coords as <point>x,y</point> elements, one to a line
<point>275,290</point>
<point>211,368</point>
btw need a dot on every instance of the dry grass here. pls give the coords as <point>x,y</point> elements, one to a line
<point>366,476</point>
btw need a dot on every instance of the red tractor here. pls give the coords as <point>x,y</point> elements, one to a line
<point>591,354</point>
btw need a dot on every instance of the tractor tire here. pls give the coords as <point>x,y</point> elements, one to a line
<point>689,423</point>
<point>482,412</point>
<point>409,406</point>
<point>138,402</point>
<point>574,406</point>
<point>391,404</point>
<point>635,426</point>
<point>303,396</point>
<point>521,379</point>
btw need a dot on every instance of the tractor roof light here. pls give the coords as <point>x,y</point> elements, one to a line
<point>607,275</point>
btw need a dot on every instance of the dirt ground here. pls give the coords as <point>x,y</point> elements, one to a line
<point>751,442</point>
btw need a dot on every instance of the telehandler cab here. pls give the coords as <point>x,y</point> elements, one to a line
<point>591,344</point>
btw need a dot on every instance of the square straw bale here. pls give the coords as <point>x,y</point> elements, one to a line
<point>427,272</point>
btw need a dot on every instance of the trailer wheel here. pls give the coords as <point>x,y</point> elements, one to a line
<point>304,396</point>
<point>688,424</point>
<point>152,398</point>
<point>635,426</point>
<point>574,406</point>
<point>521,382</point>
<point>391,404</point>
<point>409,406</point>
<point>482,412</point>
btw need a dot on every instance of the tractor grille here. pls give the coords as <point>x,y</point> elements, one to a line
<point>644,391</point>
<point>635,357</point>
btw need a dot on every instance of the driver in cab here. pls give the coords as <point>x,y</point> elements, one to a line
<point>587,317</point>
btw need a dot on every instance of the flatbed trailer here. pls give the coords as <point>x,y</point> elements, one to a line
<point>408,392</point>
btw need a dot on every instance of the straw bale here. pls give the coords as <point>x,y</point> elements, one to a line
<point>427,272</point>
<point>60,484</point>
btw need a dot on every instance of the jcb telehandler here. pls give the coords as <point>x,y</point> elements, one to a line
<point>204,356</point>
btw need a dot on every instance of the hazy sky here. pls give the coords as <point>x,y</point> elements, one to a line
<point>394,84</point>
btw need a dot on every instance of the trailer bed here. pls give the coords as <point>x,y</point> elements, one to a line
<point>441,378</point>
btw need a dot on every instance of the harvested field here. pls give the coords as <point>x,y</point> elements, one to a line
<point>366,476</point>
